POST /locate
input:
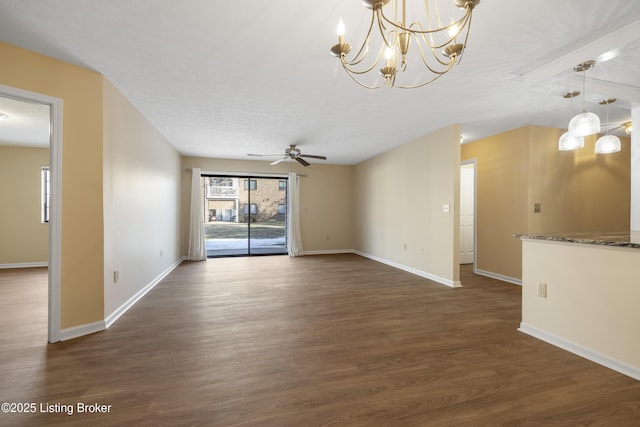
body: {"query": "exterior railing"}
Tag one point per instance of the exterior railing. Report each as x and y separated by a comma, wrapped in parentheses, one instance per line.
(222, 192)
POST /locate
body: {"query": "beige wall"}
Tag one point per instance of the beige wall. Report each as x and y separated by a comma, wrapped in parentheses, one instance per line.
(578, 191)
(142, 175)
(325, 199)
(25, 239)
(501, 200)
(82, 299)
(399, 201)
(592, 299)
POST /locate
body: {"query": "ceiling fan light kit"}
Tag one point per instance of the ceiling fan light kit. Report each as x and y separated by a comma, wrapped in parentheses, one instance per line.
(437, 45)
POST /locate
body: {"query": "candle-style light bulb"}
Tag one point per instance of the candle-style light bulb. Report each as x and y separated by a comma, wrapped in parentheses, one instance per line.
(388, 54)
(340, 30)
(453, 30)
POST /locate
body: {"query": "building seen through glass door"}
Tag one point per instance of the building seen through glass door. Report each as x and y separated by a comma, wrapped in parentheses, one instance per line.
(245, 215)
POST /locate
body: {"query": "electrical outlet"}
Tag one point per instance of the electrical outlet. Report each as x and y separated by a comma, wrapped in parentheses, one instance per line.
(445, 208)
(542, 290)
(116, 276)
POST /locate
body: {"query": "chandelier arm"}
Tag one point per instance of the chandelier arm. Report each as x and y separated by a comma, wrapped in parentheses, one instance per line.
(348, 64)
(423, 34)
(365, 46)
(464, 46)
(437, 76)
(383, 30)
(422, 30)
(434, 54)
(347, 67)
(360, 83)
(357, 60)
(449, 64)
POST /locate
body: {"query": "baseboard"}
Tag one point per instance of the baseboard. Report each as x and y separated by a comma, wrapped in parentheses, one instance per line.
(426, 275)
(25, 265)
(78, 331)
(109, 320)
(498, 276)
(330, 252)
(580, 350)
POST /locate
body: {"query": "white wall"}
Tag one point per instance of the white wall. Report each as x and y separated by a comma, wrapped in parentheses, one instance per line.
(142, 176)
(399, 198)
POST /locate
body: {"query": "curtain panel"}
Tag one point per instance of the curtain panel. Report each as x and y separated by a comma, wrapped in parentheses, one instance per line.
(197, 250)
(294, 239)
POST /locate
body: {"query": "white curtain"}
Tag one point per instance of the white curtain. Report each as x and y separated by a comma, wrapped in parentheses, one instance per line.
(294, 239)
(197, 250)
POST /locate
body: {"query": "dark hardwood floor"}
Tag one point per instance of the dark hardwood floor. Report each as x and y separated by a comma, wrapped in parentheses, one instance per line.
(317, 340)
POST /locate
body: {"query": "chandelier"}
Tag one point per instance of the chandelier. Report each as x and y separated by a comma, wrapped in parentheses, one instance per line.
(436, 44)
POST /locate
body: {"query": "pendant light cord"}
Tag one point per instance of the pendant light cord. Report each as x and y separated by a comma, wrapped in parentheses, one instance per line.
(584, 103)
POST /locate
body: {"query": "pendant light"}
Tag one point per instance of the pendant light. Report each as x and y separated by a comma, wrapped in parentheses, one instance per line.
(585, 123)
(608, 143)
(567, 141)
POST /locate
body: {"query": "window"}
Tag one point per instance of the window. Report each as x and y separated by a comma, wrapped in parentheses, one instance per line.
(45, 193)
(221, 182)
(282, 208)
(250, 184)
(282, 185)
(254, 209)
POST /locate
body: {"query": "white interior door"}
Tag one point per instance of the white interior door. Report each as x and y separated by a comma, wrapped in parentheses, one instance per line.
(467, 211)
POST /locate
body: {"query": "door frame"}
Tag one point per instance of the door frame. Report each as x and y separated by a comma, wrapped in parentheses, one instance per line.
(474, 162)
(55, 207)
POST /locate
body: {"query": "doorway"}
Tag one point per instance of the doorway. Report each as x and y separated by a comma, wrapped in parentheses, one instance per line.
(467, 212)
(245, 215)
(50, 204)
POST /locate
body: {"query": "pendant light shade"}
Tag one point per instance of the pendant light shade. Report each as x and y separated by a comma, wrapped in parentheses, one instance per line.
(608, 144)
(569, 142)
(584, 124)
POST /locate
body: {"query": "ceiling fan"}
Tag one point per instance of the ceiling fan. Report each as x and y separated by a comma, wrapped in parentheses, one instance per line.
(292, 153)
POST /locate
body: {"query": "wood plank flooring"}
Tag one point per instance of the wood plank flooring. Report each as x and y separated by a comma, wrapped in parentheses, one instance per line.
(310, 341)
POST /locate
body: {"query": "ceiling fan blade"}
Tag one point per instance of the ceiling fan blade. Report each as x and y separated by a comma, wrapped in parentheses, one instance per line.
(302, 161)
(278, 161)
(264, 155)
(313, 156)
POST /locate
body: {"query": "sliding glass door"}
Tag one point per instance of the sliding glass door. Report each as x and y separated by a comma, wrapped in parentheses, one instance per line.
(245, 215)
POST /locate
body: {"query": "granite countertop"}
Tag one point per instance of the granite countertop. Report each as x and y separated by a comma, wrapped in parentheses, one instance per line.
(619, 238)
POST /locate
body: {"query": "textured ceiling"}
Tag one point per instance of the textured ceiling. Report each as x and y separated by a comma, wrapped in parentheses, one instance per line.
(223, 79)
